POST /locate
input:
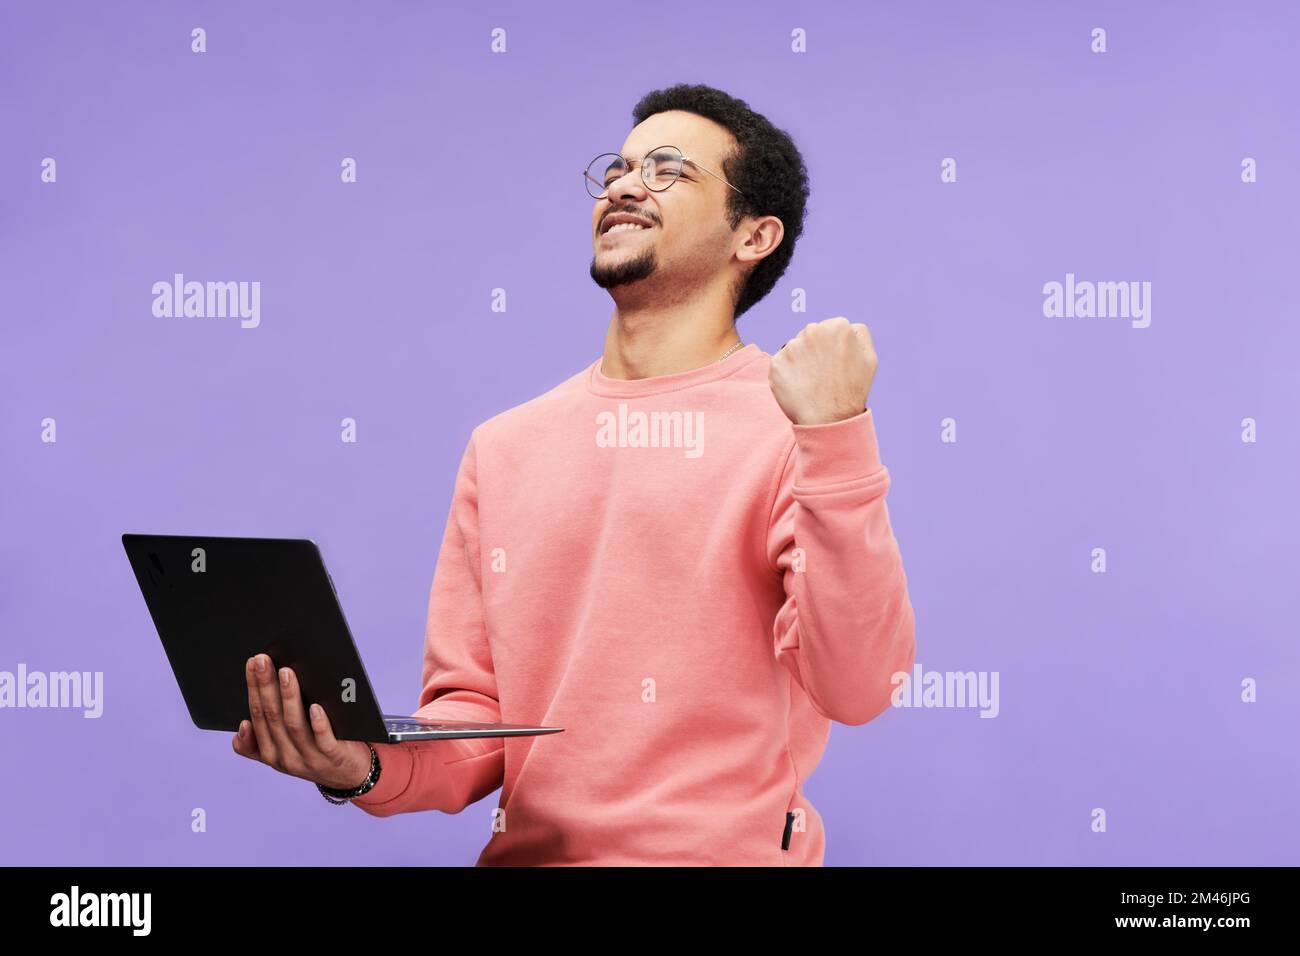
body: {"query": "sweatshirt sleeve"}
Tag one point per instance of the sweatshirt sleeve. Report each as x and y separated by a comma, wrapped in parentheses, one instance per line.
(847, 624)
(458, 682)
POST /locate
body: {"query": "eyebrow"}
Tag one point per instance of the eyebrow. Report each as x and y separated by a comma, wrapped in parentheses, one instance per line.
(685, 162)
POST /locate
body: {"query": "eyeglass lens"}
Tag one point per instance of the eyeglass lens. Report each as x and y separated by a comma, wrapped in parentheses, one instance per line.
(659, 170)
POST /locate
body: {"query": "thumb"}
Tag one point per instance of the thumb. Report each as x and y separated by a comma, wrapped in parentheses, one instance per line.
(324, 733)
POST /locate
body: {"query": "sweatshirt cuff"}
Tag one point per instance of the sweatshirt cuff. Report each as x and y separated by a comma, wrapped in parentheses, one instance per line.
(834, 452)
(396, 764)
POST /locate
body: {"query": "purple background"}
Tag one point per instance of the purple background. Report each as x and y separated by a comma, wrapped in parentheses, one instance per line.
(1119, 690)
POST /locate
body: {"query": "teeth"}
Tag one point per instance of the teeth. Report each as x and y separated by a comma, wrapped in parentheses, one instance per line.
(624, 226)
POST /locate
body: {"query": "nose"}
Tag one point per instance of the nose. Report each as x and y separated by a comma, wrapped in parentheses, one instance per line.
(629, 185)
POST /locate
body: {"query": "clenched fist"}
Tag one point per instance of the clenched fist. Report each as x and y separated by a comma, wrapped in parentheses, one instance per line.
(824, 373)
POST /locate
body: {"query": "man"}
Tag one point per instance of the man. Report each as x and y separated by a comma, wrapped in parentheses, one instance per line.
(681, 555)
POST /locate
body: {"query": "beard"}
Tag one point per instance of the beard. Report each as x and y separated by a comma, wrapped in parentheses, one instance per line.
(624, 271)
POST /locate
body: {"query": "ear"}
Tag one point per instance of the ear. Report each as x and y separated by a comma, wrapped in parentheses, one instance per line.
(762, 234)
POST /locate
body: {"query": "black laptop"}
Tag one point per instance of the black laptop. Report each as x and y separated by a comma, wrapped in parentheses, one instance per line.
(217, 601)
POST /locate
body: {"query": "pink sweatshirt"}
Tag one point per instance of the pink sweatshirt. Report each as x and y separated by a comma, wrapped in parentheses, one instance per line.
(686, 582)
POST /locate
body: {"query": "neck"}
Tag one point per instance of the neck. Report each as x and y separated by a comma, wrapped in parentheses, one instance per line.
(640, 346)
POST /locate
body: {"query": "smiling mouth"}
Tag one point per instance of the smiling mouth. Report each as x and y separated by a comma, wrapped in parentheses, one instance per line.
(624, 229)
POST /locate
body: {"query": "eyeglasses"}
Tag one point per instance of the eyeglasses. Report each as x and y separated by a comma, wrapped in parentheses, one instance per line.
(660, 169)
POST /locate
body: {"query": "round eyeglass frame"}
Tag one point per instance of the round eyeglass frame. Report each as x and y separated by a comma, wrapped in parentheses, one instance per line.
(590, 181)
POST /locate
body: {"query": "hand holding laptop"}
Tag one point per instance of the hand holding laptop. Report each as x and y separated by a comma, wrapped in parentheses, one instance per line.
(282, 735)
(219, 603)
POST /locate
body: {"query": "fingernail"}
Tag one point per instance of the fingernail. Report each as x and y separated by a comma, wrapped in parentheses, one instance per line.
(261, 663)
(284, 677)
(241, 728)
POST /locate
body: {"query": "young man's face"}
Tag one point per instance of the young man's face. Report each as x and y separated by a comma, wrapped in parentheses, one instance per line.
(687, 240)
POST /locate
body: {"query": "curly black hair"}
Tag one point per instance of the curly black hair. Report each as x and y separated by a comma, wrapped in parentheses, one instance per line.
(765, 164)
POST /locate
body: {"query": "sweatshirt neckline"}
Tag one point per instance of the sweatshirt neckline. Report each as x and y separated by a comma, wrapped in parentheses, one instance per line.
(600, 384)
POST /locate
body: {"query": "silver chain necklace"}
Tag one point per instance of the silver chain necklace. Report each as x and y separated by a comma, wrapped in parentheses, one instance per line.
(730, 350)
